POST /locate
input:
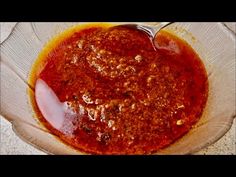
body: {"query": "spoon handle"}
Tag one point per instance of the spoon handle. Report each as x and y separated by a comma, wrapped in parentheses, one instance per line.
(161, 25)
(153, 30)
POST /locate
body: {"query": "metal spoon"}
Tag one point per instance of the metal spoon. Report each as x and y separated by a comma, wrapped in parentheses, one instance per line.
(151, 31)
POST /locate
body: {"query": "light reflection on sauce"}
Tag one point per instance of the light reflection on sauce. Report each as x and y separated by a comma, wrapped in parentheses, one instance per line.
(55, 112)
(49, 104)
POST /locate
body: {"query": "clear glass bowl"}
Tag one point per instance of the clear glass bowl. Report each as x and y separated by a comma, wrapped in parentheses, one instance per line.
(213, 42)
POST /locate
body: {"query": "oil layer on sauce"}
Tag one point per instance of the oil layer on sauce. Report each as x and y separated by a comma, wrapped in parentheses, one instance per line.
(106, 90)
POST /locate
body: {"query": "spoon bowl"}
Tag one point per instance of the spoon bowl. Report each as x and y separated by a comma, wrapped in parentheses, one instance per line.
(151, 31)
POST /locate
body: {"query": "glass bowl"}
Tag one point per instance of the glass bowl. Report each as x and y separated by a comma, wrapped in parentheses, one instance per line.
(213, 42)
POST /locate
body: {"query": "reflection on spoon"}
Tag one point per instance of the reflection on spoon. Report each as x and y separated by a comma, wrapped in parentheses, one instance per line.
(49, 104)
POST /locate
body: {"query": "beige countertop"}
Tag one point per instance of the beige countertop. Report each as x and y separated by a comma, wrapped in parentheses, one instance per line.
(10, 143)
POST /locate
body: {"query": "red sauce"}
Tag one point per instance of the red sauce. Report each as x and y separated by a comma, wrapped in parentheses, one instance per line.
(106, 90)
